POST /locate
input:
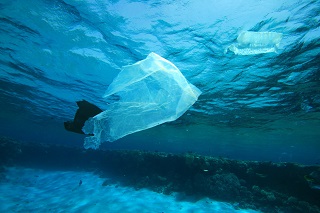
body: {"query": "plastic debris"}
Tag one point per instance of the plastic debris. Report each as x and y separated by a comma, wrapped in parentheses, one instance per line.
(148, 93)
(252, 43)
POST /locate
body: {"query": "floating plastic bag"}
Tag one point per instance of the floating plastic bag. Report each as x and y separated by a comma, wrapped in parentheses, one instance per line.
(252, 43)
(148, 93)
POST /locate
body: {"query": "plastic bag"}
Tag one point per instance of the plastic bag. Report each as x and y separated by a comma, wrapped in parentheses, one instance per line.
(252, 43)
(148, 93)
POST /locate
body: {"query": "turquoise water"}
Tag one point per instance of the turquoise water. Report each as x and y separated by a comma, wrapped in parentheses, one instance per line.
(34, 190)
(257, 107)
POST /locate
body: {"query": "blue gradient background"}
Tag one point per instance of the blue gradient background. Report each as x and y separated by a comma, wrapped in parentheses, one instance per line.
(257, 107)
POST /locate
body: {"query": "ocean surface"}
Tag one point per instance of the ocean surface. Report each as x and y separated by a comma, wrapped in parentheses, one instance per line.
(259, 106)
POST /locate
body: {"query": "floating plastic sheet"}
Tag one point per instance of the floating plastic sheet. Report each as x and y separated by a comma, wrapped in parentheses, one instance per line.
(148, 93)
(252, 43)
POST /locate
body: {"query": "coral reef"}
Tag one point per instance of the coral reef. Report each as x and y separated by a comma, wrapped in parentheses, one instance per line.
(266, 186)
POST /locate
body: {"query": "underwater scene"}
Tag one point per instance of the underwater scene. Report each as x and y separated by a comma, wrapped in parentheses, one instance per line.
(160, 106)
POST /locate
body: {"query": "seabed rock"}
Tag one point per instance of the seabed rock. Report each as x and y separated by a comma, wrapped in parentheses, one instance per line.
(265, 186)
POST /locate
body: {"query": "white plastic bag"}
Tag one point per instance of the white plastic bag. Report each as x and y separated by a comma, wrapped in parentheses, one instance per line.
(150, 92)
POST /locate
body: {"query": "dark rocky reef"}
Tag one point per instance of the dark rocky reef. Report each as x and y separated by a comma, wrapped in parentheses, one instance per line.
(266, 186)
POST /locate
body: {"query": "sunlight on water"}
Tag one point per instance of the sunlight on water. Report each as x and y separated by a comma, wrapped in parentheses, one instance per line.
(54, 53)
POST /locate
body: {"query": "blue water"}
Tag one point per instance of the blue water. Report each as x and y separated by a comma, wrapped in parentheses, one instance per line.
(257, 107)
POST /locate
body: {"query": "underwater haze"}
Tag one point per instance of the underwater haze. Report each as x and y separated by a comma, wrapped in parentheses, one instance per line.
(258, 106)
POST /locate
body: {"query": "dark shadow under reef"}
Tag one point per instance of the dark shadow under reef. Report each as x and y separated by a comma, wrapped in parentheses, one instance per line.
(265, 186)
